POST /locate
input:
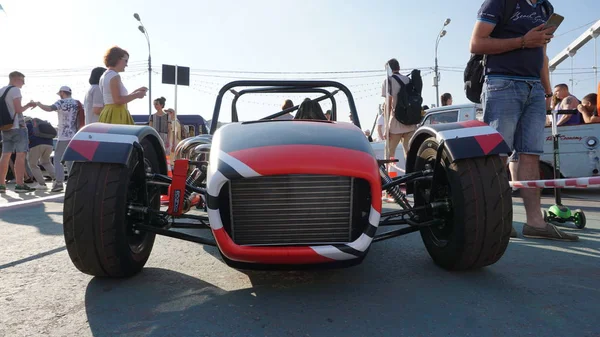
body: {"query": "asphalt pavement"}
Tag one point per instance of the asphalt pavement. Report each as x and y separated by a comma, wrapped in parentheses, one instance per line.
(539, 288)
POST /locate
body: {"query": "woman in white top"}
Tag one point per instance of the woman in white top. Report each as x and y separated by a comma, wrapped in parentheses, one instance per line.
(94, 102)
(113, 91)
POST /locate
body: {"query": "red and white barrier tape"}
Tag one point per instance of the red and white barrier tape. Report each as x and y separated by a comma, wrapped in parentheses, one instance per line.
(569, 183)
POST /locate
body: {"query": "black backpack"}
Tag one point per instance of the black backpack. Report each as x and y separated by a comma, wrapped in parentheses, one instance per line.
(6, 121)
(408, 100)
(43, 129)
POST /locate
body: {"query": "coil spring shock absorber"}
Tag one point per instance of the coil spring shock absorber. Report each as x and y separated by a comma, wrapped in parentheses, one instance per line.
(395, 192)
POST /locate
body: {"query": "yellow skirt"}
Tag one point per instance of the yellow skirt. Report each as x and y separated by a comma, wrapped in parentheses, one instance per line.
(115, 114)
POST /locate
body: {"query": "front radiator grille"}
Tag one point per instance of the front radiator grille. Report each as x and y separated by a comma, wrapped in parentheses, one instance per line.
(291, 209)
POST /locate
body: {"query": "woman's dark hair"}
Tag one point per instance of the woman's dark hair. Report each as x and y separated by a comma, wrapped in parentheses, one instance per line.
(394, 64)
(161, 101)
(287, 104)
(445, 98)
(555, 101)
(96, 74)
(592, 98)
(113, 55)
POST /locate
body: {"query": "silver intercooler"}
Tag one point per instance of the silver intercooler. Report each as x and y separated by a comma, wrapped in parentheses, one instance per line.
(291, 210)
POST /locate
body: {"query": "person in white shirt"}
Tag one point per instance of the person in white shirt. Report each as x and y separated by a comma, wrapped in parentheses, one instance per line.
(93, 102)
(16, 138)
(66, 108)
(381, 126)
(114, 93)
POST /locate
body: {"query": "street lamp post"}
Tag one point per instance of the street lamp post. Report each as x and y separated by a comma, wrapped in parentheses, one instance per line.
(595, 36)
(436, 77)
(145, 32)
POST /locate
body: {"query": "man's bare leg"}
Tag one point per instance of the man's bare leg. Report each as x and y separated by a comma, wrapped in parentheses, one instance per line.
(393, 142)
(528, 170)
(505, 160)
(535, 226)
(4, 162)
(20, 168)
(406, 142)
(513, 168)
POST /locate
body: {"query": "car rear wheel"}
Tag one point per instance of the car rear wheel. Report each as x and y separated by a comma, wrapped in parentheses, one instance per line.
(98, 231)
(477, 225)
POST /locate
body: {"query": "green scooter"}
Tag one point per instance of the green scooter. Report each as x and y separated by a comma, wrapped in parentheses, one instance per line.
(560, 214)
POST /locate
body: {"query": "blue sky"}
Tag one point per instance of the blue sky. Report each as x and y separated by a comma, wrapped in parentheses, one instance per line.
(58, 42)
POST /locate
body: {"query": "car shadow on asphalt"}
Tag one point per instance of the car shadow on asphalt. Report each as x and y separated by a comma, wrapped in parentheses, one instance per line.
(537, 288)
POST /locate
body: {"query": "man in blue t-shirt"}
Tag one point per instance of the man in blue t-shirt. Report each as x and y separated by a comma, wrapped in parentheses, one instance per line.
(517, 91)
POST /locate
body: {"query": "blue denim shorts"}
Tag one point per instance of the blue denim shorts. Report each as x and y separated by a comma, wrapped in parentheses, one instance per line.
(15, 140)
(517, 110)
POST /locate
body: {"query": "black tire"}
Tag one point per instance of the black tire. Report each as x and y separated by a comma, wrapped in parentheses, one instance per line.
(479, 221)
(98, 233)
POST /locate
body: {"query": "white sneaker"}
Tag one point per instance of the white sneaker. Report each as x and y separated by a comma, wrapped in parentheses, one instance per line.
(37, 186)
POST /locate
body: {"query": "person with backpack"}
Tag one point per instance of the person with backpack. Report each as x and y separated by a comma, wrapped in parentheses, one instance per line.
(516, 91)
(404, 106)
(40, 148)
(68, 110)
(14, 132)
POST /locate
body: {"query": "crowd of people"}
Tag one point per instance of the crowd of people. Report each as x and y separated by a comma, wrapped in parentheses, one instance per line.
(25, 149)
(585, 110)
(515, 97)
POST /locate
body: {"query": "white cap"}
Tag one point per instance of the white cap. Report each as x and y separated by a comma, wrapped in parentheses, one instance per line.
(65, 89)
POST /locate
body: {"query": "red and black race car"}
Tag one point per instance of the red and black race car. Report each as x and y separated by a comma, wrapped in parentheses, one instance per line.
(284, 193)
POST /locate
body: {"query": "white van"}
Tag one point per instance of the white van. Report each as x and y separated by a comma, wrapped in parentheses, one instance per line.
(578, 145)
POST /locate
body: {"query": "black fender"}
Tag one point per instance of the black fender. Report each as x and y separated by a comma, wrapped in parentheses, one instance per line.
(462, 140)
(112, 143)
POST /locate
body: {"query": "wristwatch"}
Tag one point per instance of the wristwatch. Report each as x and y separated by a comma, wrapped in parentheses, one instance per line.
(548, 95)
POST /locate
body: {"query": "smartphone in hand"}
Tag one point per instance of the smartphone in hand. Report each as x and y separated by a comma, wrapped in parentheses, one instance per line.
(554, 21)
